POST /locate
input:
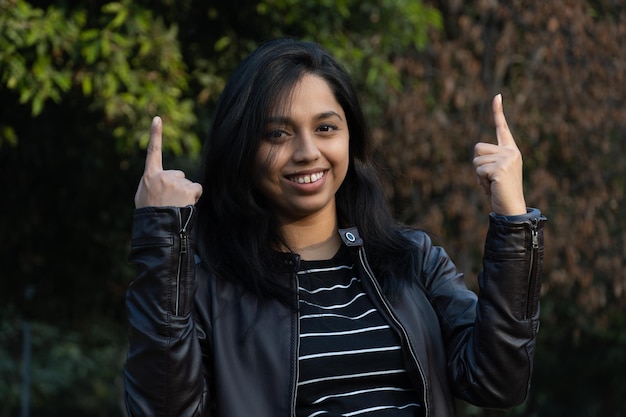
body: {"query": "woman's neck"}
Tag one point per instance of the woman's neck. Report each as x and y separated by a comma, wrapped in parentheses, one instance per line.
(314, 237)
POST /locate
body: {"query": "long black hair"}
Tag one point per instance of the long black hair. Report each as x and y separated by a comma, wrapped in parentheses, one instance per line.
(236, 230)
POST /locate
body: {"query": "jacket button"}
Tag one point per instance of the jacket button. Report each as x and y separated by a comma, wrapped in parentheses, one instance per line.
(350, 237)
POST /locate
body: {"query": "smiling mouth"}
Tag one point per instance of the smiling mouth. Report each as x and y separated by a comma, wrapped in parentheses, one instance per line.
(307, 179)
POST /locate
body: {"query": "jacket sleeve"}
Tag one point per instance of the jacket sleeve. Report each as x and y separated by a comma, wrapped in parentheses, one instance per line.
(163, 374)
(490, 342)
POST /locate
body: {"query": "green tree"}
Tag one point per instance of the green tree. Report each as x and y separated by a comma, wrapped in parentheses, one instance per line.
(122, 60)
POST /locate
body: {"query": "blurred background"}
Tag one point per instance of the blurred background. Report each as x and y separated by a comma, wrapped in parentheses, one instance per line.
(80, 82)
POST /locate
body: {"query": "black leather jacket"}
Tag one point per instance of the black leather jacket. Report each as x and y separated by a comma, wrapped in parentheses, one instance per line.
(200, 346)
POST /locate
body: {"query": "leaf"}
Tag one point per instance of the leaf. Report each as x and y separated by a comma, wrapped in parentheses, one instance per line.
(112, 8)
(119, 19)
(87, 85)
(91, 52)
(222, 43)
(37, 105)
(8, 136)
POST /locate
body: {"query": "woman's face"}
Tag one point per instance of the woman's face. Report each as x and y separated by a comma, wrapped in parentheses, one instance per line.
(303, 156)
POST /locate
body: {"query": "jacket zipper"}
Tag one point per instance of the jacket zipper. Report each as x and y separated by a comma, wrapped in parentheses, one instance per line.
(182, 253)
(534, 233)
(366, 267)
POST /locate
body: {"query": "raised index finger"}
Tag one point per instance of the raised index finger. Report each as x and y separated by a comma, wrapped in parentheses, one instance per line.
(502, 128)
(154, 156)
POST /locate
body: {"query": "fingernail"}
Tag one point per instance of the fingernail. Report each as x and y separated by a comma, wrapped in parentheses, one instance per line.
(155, 121)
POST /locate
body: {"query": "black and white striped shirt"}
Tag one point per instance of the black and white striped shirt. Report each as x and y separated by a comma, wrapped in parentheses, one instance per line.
(350, 360)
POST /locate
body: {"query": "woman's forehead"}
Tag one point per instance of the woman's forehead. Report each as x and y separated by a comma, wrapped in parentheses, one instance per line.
(310, 93)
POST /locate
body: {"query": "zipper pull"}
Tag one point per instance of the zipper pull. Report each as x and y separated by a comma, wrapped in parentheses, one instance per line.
(534, 233)
(183, 232)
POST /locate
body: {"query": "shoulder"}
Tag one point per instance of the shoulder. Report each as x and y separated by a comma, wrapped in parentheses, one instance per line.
(433, 260)
(418, 239)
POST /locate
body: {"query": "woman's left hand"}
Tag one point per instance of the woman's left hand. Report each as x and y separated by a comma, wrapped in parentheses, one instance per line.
(499, 167)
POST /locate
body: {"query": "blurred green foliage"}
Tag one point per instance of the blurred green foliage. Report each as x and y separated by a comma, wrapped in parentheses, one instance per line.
(123, 58)
(69, 371)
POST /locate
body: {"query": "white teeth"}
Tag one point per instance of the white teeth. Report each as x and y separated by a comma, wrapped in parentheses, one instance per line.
(307, 179)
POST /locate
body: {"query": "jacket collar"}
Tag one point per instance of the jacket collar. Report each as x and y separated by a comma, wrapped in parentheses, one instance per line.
(290, 262)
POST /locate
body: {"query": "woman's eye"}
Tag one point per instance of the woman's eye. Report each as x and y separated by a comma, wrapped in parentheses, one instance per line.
(275, 134)
(327, 128)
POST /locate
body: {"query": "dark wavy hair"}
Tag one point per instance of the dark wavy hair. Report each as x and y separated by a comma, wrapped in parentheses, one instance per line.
(236, 230)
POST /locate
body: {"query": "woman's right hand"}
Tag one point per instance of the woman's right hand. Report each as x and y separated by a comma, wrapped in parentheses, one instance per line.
(158, 187)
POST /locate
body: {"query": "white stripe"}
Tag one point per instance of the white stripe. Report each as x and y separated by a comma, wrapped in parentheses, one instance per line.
(363, 391)
(382, 407)
(322, 315)
(334, 287)
(317, 413)
(334, 268)
(349, 352)
(336, 306)
(355, 331)
(365, 374)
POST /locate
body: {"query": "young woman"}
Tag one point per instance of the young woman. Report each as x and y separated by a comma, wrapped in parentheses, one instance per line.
(282, 286)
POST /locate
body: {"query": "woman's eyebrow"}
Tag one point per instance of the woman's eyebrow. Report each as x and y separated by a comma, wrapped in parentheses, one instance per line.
(328, 114)
(289, 120)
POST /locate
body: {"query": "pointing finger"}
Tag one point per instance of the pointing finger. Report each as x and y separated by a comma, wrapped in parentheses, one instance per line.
(502, 128)
(154, 156)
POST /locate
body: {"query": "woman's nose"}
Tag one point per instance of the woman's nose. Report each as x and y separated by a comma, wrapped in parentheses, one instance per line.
(305, 148)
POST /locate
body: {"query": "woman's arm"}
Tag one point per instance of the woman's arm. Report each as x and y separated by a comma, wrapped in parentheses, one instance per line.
(490, 349)
(490, 343)
(164, 373)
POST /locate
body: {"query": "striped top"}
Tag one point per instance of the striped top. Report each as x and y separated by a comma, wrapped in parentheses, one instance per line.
(350, 360)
